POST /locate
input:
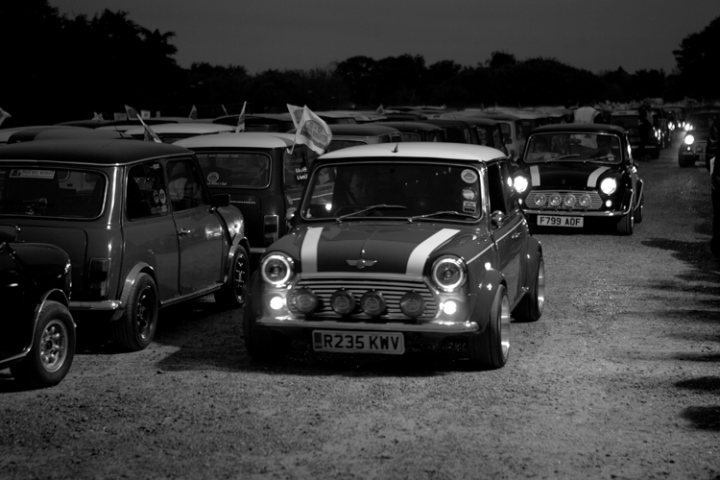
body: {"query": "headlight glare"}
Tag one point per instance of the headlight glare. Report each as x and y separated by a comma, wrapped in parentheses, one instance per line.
(608, 186)
(689, 139)
(520, 183)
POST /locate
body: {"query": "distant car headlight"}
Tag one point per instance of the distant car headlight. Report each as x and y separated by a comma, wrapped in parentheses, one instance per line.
(448, 273)
(520, 183)
(689, 139)
(276, 269)
(608, 186)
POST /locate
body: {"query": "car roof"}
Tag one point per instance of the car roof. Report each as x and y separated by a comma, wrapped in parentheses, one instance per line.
(59, 132)
(182, 127)
(579, 127)
(104, 152)
(410, 125)
(363, 129)
(239, 140)
(430, 150)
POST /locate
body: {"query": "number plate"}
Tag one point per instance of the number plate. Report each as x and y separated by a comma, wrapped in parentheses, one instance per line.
(358, 342)
(559, 221)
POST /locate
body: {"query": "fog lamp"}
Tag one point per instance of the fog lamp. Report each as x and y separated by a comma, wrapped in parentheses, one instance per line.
(569, 201)
(412, 304)
(585, 200)
(373, 304)
(539, 200)
(555, 200)
(342, 302)
(304, 300)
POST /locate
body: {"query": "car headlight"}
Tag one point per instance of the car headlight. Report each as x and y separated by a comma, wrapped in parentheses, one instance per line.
(520, 184)
(448, 273)
(689, 139)
(276, 269)
(608, 186)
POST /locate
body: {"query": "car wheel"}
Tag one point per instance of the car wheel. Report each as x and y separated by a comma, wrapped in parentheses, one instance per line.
(262, 345)
(53, 348)
(625, 225)
(531, 305)
(491, 349)
(232, 295)
(136, 328)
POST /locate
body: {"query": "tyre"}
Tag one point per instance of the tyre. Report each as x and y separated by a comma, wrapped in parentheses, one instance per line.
(52, 351)
(531, 305)
(625, 225)
(232, 295)
(136, 328)
(491, 349)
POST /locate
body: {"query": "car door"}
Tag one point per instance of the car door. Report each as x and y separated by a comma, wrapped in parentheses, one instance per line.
(508, 228)
(198, 228)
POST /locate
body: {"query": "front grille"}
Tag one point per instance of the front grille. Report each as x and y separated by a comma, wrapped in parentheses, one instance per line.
(391, 290)
(595, 200)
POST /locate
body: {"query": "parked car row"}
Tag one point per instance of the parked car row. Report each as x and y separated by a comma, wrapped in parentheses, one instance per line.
(389, 247)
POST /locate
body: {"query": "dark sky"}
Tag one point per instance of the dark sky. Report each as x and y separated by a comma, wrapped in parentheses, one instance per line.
(596, 35)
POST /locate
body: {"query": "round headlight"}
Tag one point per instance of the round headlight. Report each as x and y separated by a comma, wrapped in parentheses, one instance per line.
(539, 200)
(608, 186)
(373, 304)
(304, 300)
(276, 269)
(585, 200)
(689, 139)
(569, 201)
(520, 183)
(448, 273)
(555, 200)
(342, 302)
(412, 304)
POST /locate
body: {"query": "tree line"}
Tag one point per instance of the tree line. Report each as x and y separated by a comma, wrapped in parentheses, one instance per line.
(57, 68)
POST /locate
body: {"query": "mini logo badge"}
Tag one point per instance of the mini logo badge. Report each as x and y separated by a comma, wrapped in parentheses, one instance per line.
(361, 263)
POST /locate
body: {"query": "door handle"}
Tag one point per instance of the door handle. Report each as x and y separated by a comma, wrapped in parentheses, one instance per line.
(182, 232)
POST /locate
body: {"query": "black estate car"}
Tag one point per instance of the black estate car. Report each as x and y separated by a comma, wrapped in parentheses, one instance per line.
(577, 173)
(37, 331)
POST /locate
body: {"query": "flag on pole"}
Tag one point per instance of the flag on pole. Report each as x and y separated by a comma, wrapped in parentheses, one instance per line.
(149, 134)
(240, 127)
(295, 114)
(225, 112)
(193, 113)
(311, 130)
(4, 116)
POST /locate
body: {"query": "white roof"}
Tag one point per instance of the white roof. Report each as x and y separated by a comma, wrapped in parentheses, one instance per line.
(239, 140)
(191, 128)
(444, 150)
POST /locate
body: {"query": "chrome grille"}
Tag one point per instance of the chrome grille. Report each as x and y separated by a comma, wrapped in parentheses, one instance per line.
(595, 200)
(391, 290)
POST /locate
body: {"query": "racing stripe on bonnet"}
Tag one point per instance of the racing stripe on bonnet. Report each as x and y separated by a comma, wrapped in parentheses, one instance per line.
(534, 176)
(593, 178)
(309, 249)
(419, 255)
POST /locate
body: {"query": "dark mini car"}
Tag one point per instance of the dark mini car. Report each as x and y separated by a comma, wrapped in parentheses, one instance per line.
(263, 172)
(37, 331)
(575, 173)
(644, 137)
(138, 223)
(398, 248)
(694, 145)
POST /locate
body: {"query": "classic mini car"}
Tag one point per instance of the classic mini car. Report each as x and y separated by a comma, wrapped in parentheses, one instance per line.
(416, 131)
(350, 135)
(694, 144)
(575, 173)
(37, 331)
(263, 172)
(138, 223)
(644, 141)
(399, 248)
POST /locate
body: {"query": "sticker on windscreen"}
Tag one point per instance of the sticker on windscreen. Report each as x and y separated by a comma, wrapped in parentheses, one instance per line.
(469, 176)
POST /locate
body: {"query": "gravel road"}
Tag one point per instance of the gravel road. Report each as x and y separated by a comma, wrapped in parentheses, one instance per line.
(620, 379)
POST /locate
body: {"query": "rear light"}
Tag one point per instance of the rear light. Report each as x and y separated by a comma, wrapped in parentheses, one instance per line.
(271, 228)
(98, 277)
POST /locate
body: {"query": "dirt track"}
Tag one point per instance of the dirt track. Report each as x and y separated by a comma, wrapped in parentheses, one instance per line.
(620, 379)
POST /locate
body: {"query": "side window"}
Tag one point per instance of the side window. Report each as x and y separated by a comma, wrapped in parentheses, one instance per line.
(145, 191)
(184, 185)
(496, 188)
